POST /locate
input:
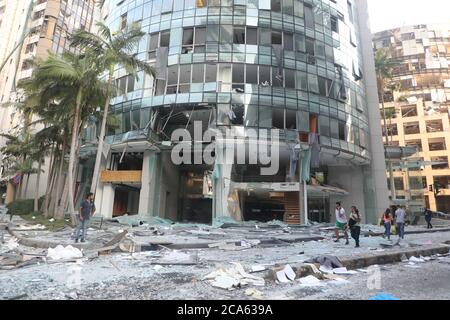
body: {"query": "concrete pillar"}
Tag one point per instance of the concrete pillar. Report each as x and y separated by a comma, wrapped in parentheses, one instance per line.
(107, 201)
(100, 188)
(144, 194)
(375, 188)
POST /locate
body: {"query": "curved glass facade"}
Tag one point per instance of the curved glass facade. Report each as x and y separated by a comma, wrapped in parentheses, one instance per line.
(286, 64)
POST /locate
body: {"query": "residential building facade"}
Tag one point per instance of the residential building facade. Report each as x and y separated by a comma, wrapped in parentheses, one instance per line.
(303, 69)
(32, 28)
(417, 110)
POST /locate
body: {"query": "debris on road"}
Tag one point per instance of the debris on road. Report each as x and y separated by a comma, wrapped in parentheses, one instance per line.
(232, 277)
(63, 253)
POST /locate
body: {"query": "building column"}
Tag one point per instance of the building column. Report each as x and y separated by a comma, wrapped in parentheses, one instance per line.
(107, 201)
(99, 191)
(375, 188)
(148, 183)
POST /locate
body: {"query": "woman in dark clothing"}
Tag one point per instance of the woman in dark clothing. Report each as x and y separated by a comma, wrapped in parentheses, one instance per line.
(353, 223)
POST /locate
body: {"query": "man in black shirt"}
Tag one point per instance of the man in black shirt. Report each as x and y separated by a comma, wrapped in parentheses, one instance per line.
(87, 210)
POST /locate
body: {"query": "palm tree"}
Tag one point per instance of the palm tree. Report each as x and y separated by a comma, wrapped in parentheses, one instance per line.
(384, 68)
(384, 71)
(72, 80)
(109, 50)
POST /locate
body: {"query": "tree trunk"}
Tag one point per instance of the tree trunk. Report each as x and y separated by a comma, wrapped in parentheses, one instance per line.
(73, 146)
(36, 189)
(60, 175)
(44, 207)
(26, 186)
(101, 137)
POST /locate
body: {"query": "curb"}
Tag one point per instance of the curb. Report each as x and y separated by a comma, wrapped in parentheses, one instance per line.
(392, 257)
(44, 244)
(362, 261)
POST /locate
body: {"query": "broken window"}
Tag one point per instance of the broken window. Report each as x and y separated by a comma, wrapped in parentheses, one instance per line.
(238, 77)
(291, 119)
(226, 34)
(265, 116)
(288, 41)
(211, 73)
(303, 121)
(197, 73)
(185, 78)
(252, 36)
(165, 39)
(324, 86)
(288, 7)
(188, 40)
(437, 144)
(309, 17)
(342, 131)
(276, 37)
(310, 46)
(411, 128)
(434, 126)
(265, 37)
(224, 114)
(408, 111)
(289, 78)
(275, 5)
(264, 75)
(237, 114)
(277, 118)
(313, 83)
(251, 116)
(441, 163)
(239, 35)
(324, 126)
(300, 42)
(334, 24)
(415, 143)
(302, 80)
(251, 74)
(225, 77)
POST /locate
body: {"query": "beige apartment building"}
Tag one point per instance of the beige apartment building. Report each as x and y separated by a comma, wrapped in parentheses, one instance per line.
(32, 28)
(417, 110)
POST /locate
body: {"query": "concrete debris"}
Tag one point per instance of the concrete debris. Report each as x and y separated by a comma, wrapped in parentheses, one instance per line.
(257, 268)
(327, 261)
(343, 270)
(310, 281)
(287, 274)
(30, 227)
(177, 257)
(232, 277)
(158, 267)
(415, 259)
(254, 293)
(340, 281)
(63, 253)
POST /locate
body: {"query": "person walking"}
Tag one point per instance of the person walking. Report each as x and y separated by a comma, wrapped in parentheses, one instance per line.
(428, 216)
(400, 222)
(353, 223)
(341, 222)
(387, 220)
(87, 210)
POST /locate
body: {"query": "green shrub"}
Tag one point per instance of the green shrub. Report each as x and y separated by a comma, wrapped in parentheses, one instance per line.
(23, 206)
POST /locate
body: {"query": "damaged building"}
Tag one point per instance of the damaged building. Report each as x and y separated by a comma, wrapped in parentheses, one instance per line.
(292, 80)
(417, 112)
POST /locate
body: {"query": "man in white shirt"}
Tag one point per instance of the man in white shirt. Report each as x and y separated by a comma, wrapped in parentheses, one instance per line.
(400, 220)
(341, 222)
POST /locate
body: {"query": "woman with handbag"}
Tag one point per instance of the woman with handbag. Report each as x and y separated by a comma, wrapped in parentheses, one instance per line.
(353, 223)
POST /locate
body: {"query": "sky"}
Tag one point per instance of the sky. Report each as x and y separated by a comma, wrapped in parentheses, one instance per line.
(389, 14)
